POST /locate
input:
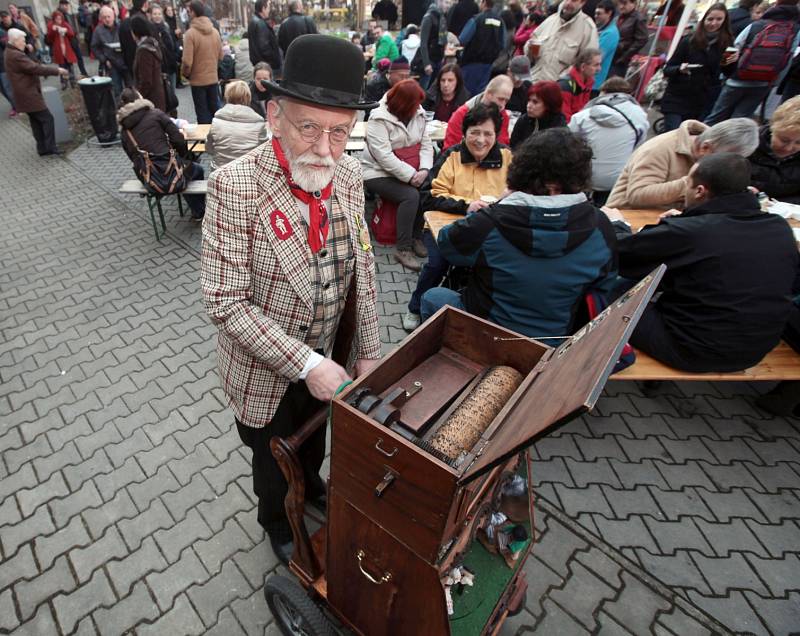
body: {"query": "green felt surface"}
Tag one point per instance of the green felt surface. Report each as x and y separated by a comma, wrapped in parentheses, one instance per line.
(473, 607)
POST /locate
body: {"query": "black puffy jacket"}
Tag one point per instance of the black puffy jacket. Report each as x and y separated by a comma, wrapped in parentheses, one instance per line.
(689, 94)
(779, 178)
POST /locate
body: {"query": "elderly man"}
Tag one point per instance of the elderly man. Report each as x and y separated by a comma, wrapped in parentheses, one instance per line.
(23, 74)
(655, 175)
(106, 48)
(731, 271)
(284, 240)
(560, 39)
(498, 92)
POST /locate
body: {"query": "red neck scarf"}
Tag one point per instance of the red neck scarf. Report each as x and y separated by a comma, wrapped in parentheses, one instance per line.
(317, 213)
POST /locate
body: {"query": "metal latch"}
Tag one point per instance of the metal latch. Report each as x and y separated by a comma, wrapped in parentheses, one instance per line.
(387, 481)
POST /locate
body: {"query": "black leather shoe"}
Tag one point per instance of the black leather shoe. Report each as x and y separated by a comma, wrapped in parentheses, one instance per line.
(283, 551)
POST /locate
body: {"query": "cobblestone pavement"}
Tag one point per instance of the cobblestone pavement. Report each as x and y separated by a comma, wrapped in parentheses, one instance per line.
(126, 503)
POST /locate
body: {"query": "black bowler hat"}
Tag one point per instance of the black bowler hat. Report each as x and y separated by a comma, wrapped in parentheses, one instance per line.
(323, 70)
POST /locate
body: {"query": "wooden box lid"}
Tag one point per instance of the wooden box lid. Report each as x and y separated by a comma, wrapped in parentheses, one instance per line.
(566, 382)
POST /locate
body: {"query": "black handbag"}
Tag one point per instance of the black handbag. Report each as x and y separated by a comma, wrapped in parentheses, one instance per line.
(170, 98)
(160, 174)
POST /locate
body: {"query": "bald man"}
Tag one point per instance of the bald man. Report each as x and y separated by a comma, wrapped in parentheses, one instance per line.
(107, 50)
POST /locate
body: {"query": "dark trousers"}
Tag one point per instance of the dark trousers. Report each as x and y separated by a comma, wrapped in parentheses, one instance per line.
(44, 131)
(672, 121)
(409, 219)
(736, 101)
(476, 77)
(196, 202)
(206, 102)
(77, 48)
(269, 484)
(432, 274)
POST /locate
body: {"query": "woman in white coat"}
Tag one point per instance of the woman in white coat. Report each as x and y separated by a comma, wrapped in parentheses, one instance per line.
(236, 128)
(396, 161)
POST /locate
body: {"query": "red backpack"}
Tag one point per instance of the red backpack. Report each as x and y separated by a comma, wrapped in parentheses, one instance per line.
(767, 52)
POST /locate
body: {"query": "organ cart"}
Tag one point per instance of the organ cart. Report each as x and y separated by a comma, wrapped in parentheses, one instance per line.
(430, 509)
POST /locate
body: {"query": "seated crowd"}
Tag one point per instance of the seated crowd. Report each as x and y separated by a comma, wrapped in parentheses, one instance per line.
(533, 241)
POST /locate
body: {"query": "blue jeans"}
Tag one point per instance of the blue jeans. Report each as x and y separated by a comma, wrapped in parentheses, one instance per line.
(476, 77)
(5, 89)
(672, 121)
(736, 101)
(433, 271)
(206, 102)
(434, 299)
(117, 82)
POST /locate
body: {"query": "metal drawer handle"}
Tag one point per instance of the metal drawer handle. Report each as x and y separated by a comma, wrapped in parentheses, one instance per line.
(387, 576)
(392, 453)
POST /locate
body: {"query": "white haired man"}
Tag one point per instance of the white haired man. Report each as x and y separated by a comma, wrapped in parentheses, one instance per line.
(284, 240)
(657, 172)
(23, 74)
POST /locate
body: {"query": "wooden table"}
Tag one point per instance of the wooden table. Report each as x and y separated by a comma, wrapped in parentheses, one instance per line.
(637, 218)
(196, 139)
(437, 220)
(360, 132)
(199, 134)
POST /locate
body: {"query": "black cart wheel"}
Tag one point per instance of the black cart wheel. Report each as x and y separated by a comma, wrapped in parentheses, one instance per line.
(659, 125)
(295, 613)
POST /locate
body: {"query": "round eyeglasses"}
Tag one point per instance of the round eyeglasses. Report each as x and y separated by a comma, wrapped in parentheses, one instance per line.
(310, 132)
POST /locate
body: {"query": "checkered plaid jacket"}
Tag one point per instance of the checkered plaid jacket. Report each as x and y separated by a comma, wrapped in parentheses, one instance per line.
(257, 281)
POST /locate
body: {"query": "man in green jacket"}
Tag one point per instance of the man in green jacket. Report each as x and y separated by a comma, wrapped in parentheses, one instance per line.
(385, 46)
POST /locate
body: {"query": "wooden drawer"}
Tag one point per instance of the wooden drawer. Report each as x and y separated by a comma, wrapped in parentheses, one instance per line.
(384, 588)
(415, 506)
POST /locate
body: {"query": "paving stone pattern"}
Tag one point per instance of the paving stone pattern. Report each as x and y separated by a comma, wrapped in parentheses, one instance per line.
(126, 502)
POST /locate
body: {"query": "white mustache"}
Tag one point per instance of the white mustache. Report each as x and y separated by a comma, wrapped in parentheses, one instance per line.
(314, 160)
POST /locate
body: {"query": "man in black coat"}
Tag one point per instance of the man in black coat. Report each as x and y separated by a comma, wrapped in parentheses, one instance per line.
(295, 25)
(731, 272)
(263, 41)
(460, 13)
(126, 42)
(633, 35)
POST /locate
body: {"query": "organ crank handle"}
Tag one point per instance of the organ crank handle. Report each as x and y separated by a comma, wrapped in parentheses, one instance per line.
(387, 576)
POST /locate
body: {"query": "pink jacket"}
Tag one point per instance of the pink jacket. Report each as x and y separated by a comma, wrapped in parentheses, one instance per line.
(522, 35)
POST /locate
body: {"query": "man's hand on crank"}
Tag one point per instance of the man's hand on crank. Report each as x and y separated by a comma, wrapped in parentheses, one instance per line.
(325, 378)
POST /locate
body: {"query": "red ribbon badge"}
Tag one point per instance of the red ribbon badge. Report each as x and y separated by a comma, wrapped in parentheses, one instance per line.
(280, 225)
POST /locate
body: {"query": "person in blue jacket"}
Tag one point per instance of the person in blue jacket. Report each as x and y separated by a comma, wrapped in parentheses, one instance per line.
(537, 252)
(608, 36)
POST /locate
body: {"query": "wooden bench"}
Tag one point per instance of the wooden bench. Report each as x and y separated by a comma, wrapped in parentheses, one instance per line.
(782, 363)
(134, 186)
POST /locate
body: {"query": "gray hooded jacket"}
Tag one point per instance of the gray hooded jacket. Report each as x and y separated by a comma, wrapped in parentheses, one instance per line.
(613, 125)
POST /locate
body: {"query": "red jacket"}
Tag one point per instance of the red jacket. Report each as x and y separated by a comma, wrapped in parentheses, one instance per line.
(454, 133)
(61, 45)
(575, 94)
(522, 35)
